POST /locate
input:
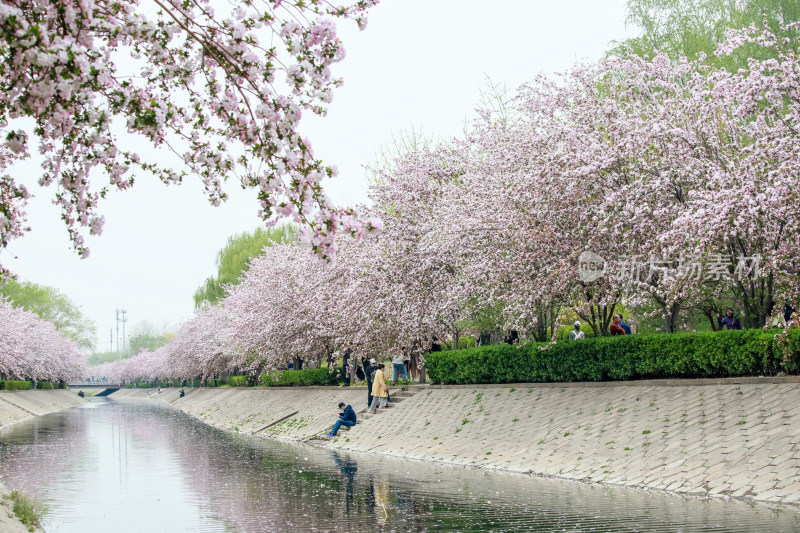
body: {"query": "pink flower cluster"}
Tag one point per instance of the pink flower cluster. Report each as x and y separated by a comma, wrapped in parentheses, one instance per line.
(85, 78)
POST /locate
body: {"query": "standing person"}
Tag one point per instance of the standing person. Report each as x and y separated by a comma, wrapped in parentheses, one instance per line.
(379, 391)
(399, 363)
(576, 334)
(436, 346)
(730, 321)
(413, 365)
(347, 417)
(345, 361)
(624, 325)
(485, 338)
(615, 328)
(369, 371)
(512, 337)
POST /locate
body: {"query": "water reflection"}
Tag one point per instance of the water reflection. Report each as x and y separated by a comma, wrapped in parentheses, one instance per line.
(141, 467)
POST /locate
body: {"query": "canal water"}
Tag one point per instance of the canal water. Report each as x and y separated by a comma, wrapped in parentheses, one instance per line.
(144, 467)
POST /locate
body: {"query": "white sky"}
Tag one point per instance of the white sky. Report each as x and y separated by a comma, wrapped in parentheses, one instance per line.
(419, 64)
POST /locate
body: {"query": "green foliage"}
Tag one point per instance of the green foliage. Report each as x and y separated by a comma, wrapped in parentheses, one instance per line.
(238, 381)
(11, 384)
(106, 357)
(147, 343)
(466, 342)
(562, 333)
(688, 28)
(787, 351)
(47, 385)
(234, 259)
(28, 512)
(678, 355)
(292, 378)
(52, 305)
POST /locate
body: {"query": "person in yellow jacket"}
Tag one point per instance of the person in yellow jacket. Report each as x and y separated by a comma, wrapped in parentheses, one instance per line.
(379, 390)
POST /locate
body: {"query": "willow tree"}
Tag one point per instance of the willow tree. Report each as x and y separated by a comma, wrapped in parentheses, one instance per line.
(234, 259)
(53, 306)
(691, 28)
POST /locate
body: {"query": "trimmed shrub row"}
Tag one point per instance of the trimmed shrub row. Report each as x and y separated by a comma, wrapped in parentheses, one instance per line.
(14, 384)
(299, 378)
(49, 385)
(677, 355)
(238, 381)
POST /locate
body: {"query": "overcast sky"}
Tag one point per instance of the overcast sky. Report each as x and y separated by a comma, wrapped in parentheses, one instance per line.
(420, 64)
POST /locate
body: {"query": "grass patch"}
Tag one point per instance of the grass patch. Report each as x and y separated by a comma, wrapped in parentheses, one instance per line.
(27, 510)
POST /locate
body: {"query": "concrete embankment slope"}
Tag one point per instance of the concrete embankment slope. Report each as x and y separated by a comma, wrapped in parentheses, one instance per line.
(728, 437)
(291, 413)
(16, 406)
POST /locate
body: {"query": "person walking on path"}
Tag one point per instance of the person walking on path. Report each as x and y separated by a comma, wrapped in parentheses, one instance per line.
(369, 371)
(399, 363)
(379, 391)
(347, 417)
(576, 334)
(615, 328)
(729, 321)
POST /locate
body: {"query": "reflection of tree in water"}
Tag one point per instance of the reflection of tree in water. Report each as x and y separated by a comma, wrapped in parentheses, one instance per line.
(37, 448)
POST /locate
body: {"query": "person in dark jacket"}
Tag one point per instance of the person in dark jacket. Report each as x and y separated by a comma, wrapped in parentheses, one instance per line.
(347, 417)
(512, 337)
(624, 325)
(436, 346)
(729, 321)
(369, 370)
(346, 371)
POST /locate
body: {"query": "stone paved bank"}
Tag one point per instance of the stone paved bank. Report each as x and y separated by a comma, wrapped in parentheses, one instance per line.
(16, 406)
(735, 438)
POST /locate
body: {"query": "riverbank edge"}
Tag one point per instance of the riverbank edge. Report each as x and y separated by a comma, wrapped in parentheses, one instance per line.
(19, 406)
(245, 410)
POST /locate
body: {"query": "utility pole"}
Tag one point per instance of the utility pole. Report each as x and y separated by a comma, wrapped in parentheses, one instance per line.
(124, 338)
(111, 340)
(117, 333)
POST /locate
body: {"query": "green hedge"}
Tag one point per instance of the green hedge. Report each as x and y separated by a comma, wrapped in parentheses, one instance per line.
(678, 355)
(12, 384)
(238, 381)
(47, 385)
(290, 378)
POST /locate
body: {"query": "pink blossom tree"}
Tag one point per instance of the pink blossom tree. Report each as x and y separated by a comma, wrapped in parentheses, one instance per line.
(31, 348)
